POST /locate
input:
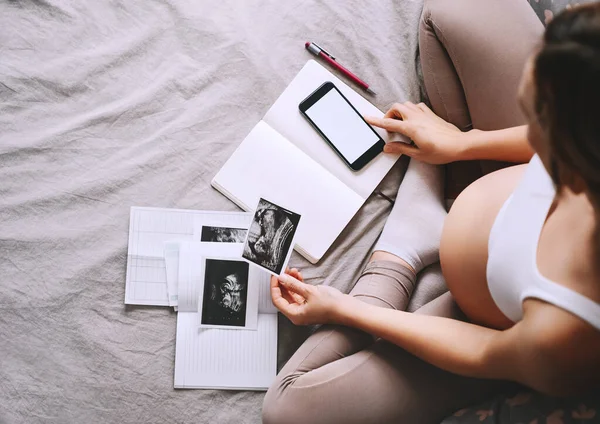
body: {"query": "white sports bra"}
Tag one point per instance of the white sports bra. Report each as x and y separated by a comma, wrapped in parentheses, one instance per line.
(512, 271)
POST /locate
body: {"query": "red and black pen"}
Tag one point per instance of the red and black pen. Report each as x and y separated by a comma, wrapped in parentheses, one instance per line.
(320, 52)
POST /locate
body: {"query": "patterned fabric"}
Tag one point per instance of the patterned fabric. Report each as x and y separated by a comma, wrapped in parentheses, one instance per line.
(546, 9)
(531, 408)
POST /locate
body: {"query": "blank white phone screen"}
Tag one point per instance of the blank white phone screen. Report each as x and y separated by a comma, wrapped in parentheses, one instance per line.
(342, 125)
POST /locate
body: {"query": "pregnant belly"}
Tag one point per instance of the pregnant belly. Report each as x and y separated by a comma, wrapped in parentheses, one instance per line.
(464, 246)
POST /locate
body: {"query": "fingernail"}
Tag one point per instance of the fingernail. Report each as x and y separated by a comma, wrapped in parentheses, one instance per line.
(386, 149)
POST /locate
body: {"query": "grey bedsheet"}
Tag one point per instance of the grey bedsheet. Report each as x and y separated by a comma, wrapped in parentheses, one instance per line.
(109, 104)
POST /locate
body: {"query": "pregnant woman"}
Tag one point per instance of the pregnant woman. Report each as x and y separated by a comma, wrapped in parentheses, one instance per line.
(519, 249)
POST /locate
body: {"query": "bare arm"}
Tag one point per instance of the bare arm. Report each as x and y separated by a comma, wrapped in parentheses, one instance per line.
(449, 344)
(531, 352)
(509, 145)
(437, 141)
(538, 351)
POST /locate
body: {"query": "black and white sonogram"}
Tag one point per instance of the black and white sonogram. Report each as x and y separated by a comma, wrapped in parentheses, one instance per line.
(223, 234)
(270, 236)
(225, 292)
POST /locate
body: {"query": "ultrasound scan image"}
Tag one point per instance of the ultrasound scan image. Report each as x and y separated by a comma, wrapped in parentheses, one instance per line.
(270, 236)
(223, 234)
(225, 292)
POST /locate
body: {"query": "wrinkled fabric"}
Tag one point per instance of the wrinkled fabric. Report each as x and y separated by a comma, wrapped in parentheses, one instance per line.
(105, 105)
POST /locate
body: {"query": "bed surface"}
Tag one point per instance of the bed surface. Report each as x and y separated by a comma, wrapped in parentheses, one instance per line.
(107, 105)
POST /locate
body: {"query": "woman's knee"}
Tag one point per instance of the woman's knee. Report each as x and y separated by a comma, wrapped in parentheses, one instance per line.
(271, 411)
(436, 10)
(279, 409)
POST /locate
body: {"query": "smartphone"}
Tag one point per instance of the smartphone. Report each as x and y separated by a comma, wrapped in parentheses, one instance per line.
(342, 127)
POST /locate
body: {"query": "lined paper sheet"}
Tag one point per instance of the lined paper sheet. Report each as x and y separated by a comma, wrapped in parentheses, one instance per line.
(265, 304)
(145, 281)
(225, 359)
(172, 270)
(222, 358)
(149, 229)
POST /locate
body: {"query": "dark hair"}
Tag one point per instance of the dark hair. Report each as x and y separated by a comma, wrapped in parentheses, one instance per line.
(567, 85)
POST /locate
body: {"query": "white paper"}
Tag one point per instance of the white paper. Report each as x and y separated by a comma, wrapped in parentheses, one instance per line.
(172, 270)
(149, 229)
(267, 165)
(265, 304)
(224, 359)
(146, 281)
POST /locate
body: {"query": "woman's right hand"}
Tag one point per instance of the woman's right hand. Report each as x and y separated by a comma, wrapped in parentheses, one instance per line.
(304, 303)
(436, 141)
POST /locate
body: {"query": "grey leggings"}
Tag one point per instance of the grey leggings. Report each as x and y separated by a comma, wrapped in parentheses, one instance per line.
(472, 53)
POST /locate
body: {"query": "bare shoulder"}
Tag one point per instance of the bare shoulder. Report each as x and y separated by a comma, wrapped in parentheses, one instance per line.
(563, 344)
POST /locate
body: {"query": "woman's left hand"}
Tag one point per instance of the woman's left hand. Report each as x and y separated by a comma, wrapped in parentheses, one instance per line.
(303, 303)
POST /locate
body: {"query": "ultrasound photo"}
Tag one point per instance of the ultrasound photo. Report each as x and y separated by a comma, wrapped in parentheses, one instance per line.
(225, 293)
(270, 236)
(223, 234)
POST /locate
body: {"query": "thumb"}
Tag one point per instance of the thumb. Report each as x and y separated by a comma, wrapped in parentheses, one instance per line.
(402, 148)
(294, 286)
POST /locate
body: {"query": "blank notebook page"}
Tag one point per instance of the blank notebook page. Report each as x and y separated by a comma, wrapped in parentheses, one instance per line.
(232, 359)
(267, 165)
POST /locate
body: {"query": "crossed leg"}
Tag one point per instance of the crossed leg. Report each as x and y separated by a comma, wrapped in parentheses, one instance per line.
(343, 375)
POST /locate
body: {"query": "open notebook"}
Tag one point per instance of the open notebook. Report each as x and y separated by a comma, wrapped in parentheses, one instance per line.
(285, 160)
(222, 358)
